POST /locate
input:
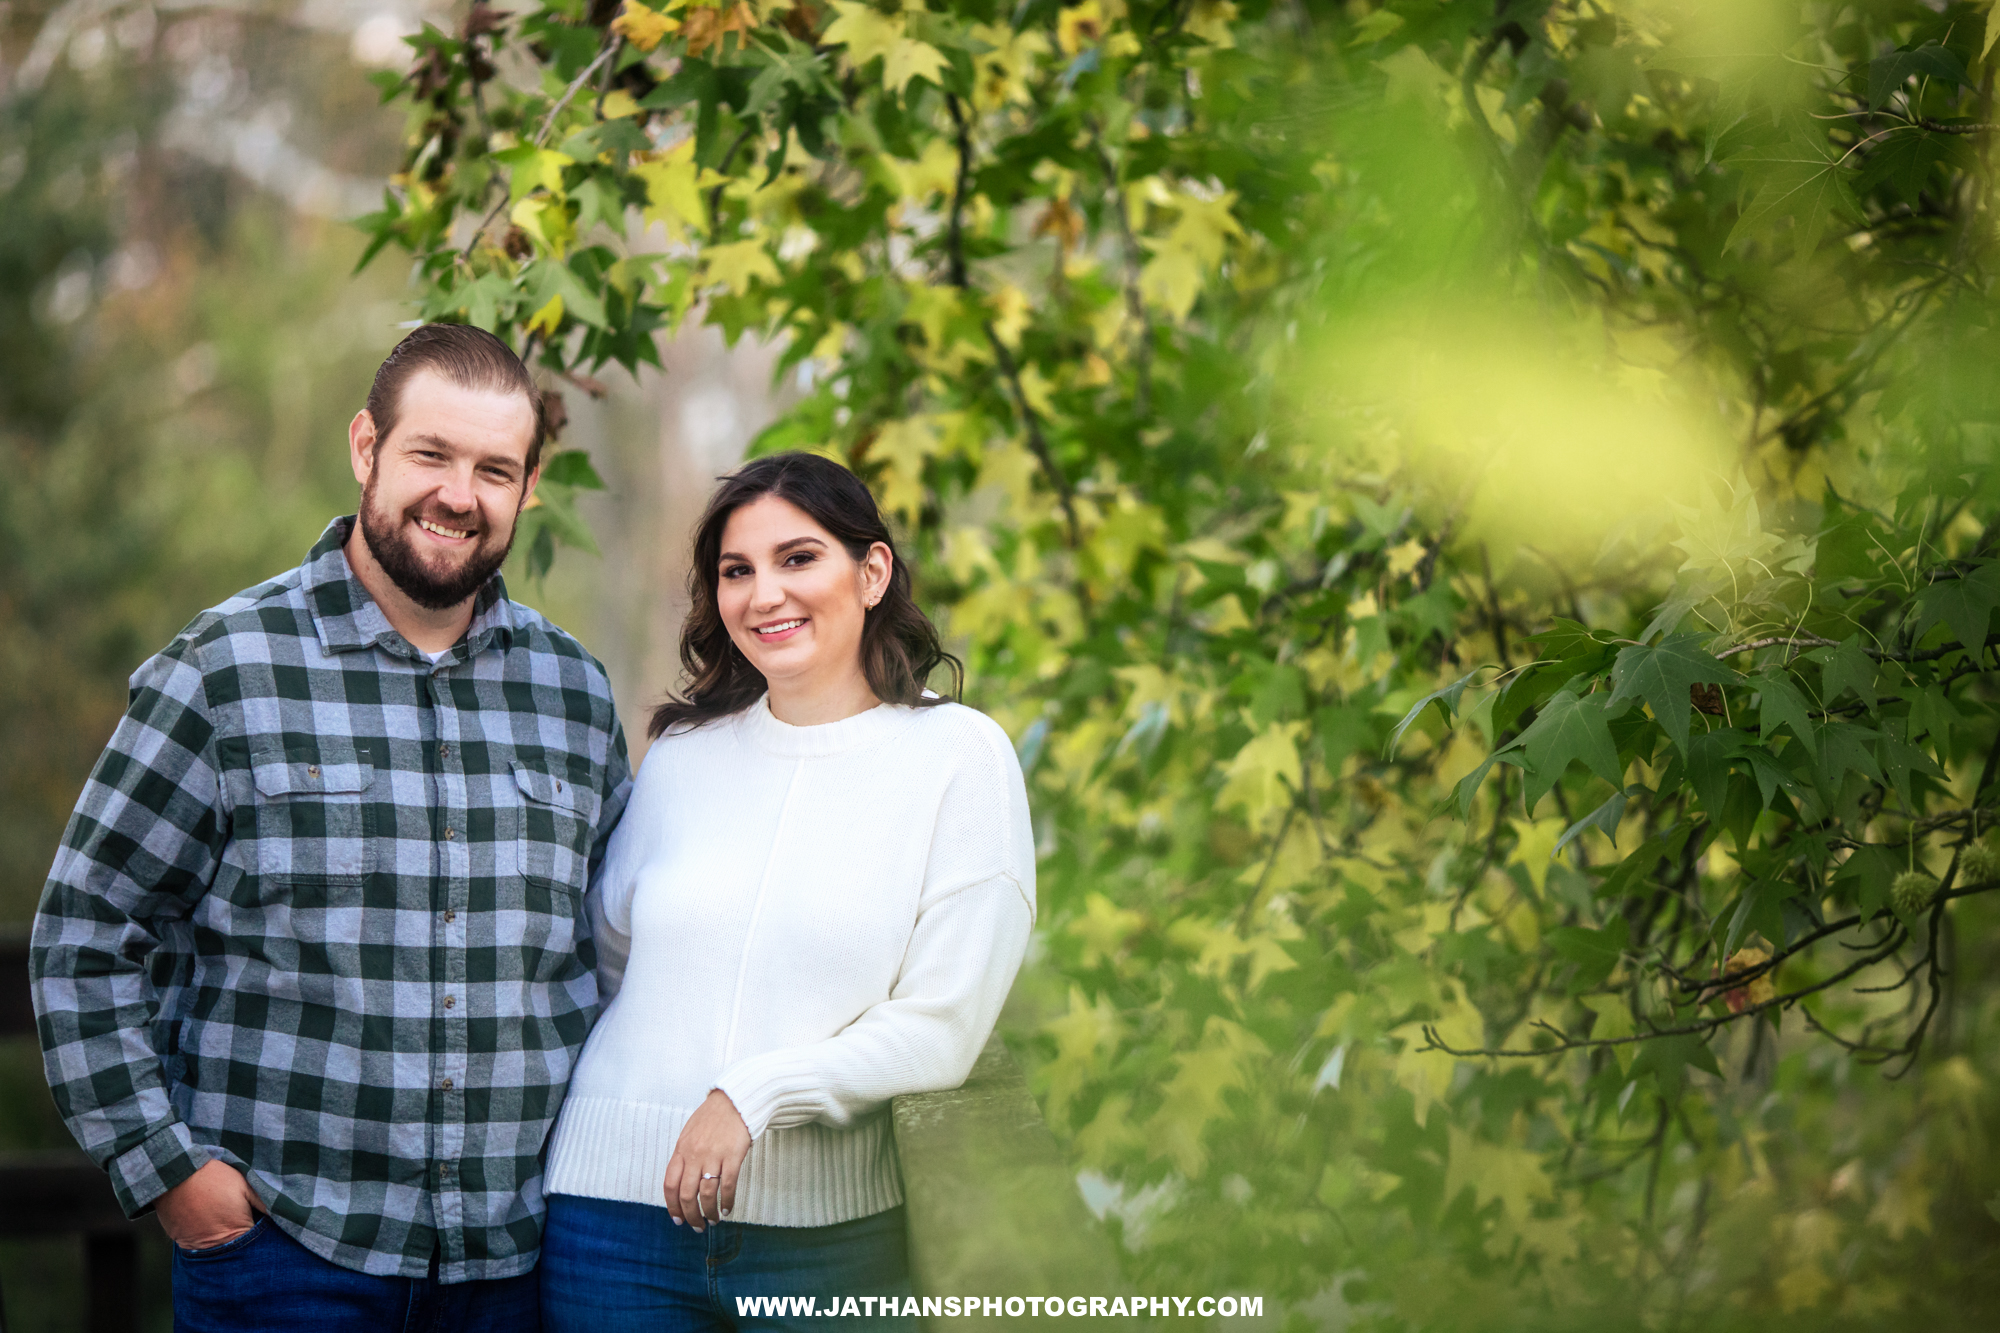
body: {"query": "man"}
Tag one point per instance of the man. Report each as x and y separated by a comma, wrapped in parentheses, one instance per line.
(311, 967)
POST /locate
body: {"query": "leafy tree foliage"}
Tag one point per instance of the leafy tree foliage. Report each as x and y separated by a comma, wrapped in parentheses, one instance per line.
(1479, 518)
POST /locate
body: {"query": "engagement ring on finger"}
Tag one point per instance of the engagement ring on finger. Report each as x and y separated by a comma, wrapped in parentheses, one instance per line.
(706, 1176)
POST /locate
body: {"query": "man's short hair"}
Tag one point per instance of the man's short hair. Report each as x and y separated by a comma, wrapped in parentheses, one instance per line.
(469, 357)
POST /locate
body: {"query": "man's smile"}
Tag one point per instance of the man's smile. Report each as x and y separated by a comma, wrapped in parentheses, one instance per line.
(449, 534)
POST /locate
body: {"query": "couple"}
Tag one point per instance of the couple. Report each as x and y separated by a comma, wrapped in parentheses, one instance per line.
(316, 964)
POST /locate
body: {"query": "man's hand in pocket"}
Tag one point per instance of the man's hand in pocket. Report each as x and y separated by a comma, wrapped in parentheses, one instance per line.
(212, 1207)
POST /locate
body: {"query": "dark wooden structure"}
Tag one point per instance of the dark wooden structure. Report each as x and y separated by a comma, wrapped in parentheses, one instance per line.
(44, 1194)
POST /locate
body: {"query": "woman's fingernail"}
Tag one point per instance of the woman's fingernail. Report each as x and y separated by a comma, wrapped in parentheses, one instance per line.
(677, 1221)
(725, 1212)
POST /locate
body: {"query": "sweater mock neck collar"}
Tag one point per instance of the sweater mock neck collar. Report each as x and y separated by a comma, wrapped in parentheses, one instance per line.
(878, 724)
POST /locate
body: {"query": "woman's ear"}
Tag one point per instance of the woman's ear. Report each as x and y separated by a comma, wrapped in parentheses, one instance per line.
(876, 567)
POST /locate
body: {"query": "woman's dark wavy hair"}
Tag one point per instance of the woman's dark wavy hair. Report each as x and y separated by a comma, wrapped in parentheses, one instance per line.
(899, 645)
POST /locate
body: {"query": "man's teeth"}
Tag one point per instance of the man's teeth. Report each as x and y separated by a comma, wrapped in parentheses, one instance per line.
(429, 526)
(780, 627)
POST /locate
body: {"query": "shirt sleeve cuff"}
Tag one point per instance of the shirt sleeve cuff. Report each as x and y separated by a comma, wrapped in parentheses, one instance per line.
(761, 1086)
(142, 1174)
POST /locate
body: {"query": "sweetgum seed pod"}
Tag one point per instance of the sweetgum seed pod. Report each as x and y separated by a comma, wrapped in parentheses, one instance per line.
(1978, 864)
(1911, 892)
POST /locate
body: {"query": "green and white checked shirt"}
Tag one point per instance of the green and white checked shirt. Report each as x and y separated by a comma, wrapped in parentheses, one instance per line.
(319, 913)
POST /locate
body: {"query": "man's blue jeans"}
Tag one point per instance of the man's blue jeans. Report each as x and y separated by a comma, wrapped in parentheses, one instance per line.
(266, 1280)
(624, 1267)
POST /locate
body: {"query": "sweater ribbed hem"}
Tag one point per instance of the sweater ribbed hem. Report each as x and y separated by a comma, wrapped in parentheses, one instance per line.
(806, 1176)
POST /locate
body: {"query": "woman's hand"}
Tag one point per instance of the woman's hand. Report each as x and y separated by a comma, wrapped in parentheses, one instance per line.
(701, 1175)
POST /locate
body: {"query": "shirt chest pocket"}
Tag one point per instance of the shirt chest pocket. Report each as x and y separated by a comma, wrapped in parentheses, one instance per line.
(312, 812)
(557, 820)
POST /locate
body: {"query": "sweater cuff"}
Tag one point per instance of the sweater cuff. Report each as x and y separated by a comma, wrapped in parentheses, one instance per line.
(762, 1086)
(142, 1174)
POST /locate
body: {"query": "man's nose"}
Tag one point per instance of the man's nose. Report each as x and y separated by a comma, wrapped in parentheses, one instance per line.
(455, 491)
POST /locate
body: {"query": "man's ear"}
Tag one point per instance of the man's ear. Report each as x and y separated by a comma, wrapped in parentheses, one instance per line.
(528, 487)
(361, 445)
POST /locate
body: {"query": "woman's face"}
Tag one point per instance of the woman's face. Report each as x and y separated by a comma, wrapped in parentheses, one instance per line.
(792, 598)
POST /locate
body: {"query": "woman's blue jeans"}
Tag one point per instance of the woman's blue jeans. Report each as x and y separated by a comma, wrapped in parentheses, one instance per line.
(622, 1267)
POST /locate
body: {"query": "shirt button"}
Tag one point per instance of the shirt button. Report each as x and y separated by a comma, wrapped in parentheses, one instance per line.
(446, 1085)
(450, 916)
(450, 834)
(449, 1001)
(312, 770)
(444, 752)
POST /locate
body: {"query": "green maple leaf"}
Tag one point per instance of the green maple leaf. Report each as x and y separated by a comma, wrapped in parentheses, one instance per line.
(1801, 178)
(1779, 703)
(1930, 61)
(1844, 668)
(1446, 699)
(1964, 604)
(1667, 1059)
(1568, 728)
(1663, 675)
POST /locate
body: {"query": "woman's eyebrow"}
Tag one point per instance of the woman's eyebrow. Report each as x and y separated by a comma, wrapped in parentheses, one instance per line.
(779, 549)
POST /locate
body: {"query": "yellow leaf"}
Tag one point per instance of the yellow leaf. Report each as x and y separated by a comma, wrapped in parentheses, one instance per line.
(674, 188)
(1614, 1019)
(549, 318)
(931, 309)
(547, 220)
(1085, 1038)
(935, 172)
(1534, 843)
(1079, 26)
(904, 445)
(1193, 1097)
(1427, 1075)
(1010, 314)
(1905, 1205)
(737, 264)
(1123, 44)
(618, 104)
(1263, 774)
(1495, 1171)
(1104, 928)
(1002, 72)
(1171, 279)
(1210, 21)
(536, 169)
(644, 28)
(1404, 558)
(1205, 225)
(911, 59)
(865, 31)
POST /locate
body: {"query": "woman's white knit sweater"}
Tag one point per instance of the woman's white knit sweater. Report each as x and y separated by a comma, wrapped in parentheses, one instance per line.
(814, 920)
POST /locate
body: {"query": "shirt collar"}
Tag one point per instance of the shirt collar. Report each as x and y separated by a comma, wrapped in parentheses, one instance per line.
(347, 617)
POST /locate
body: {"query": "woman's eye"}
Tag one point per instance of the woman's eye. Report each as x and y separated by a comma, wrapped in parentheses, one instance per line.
(799, 558)
(733, 571)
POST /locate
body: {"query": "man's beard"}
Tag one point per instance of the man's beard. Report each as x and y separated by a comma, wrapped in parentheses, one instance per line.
(406, 569)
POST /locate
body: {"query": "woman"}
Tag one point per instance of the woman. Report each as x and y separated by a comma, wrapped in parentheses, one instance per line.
(816, 901)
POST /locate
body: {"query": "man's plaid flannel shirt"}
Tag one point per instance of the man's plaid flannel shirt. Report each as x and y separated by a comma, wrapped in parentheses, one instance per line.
(319, 913)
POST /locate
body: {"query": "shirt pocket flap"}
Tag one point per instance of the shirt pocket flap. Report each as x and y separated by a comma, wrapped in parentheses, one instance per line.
(324, 768)
(547, 789)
